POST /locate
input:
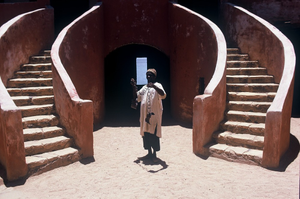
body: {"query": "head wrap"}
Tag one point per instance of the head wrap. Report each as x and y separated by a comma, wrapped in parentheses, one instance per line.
(152, 70)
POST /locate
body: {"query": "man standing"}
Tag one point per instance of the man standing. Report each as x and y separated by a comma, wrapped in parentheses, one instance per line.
(150, 96)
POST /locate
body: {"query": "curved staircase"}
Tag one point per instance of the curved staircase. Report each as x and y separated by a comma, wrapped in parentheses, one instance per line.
(47, 145)
(250, 91)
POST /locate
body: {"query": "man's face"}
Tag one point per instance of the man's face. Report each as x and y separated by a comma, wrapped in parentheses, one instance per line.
(150, 77)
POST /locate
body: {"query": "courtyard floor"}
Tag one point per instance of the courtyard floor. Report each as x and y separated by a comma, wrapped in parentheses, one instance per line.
(116, 172)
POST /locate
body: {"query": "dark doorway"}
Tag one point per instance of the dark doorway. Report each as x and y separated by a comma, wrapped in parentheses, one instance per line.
(120, 67)
(66, 11)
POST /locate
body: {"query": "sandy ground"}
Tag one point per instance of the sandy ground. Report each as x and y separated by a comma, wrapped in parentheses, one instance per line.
(117, 173)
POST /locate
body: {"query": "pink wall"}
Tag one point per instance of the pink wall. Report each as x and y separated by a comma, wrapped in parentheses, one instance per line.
(20, 37)
(265, 43)
(10, 10)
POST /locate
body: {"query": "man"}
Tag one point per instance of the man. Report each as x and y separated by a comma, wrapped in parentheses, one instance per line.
(150, 96)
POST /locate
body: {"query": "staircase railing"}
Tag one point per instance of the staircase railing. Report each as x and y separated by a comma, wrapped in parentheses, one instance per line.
(20, 37)
(263, 42)
(76, 114)
(208, 109)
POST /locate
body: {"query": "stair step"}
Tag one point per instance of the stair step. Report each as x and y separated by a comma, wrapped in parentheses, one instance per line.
(241, 116)
(42, 133)
(39, 121)
(36, 67)
(237, 57)
(249, 106)
(243, 140)
(251, 96)
(47, 161)
(47, 145)
(252, 87)
(243, 127)
(33, 100)
(242, 64)
(29, 82)
(249, 79)
(40, 59)
(246, 71)
(33, 74)
(236, 154)
(31, 110)
(233, 50)
(31, 91)
(45, 53)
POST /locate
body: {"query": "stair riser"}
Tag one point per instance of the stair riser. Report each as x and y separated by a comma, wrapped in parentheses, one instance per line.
(34, 101)
(36, 67)
(33, 74)
(248, 108)
(251, 88)
(43, 135)
(35, 83)
(40, 123)
(40, 59)
(256, 98)
(243, 129)
(233, 57)
(48, 147)
(250, 80)
(246, 118)
(30, 92)
(38, 111)
(240, 64)
(240, 142)
(52, 163)
(233, 51)
(244, 71)
(233, 157)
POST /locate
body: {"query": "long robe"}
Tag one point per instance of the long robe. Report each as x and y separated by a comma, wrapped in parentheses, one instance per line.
(151, 102)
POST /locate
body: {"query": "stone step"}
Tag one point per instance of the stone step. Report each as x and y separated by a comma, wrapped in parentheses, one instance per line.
(252, 87)
(242, 64)
(47, 145)
(249, 106)
(31, 91)
(40, 59)
(31, 110)
(36, 67)
(29, 82)
(31, 134)
(246, 71)
(45, 53)
(242, 140)
(242, 116)
(251, 96)
(236, 154)
(243, 127)
(40, 163)
(237, 57)
(33, 74)
(40, 121)
(233, 50)
(249, 79)
(33, 100)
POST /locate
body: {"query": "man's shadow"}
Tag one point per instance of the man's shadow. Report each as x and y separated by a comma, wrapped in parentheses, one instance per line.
(149, 161)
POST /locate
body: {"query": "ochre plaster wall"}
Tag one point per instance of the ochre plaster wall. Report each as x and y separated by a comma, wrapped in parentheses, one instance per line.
(135, 22)
(273, 10)
(193, 55)
(20, 37)
(10, 10)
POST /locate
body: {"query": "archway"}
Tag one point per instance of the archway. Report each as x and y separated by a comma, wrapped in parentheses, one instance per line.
(120, 67)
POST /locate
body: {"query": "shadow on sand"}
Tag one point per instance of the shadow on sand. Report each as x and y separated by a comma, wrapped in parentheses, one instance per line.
(148, 162)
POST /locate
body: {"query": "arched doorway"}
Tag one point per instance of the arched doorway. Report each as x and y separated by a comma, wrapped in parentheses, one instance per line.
(120, 67)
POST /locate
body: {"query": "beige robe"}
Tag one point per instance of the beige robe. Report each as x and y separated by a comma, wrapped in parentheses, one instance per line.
(151, 101)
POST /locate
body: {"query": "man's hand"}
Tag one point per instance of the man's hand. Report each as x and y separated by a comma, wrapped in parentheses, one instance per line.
(132, 82)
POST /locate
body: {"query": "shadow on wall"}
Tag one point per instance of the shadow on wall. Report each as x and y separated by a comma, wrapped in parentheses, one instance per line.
(120, 67)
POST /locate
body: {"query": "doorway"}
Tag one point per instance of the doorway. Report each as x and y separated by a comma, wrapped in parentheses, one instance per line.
(120, 67)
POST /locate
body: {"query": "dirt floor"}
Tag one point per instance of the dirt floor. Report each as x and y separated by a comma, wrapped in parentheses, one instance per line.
(116, 172)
